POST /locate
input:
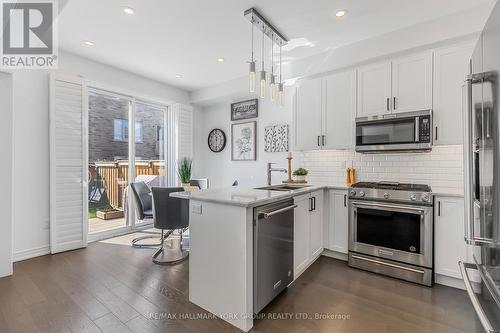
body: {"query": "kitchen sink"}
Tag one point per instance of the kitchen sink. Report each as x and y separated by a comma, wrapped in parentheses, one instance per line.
(282, 187)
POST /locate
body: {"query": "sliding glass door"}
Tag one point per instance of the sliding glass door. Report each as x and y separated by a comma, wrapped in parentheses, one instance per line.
(125, 145)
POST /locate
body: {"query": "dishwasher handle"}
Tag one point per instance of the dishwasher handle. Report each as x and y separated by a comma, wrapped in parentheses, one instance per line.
(267, 215)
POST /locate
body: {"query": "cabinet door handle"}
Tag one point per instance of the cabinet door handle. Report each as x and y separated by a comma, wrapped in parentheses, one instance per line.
(439, 208)
(345, 200)
(310, 204)
(319, 140)
(436, 135)
(388, 104)
(394, 103)
(323, 139)
(314, 203)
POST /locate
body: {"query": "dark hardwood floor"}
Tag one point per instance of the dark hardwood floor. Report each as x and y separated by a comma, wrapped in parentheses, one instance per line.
(111, 287)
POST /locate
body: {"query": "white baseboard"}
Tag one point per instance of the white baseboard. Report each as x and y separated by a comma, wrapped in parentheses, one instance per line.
(335, 254)
(31, 253)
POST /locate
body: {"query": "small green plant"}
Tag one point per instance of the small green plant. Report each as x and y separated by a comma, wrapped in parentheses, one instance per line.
(300, 172)
(184, 170)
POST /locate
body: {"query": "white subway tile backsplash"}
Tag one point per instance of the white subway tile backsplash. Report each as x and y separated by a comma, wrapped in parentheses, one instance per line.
(442, 168)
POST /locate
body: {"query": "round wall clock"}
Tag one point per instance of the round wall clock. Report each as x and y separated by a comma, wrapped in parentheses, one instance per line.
(216, 140)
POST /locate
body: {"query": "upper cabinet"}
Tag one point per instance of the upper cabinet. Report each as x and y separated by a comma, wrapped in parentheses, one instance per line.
(401, 85)
(450, 69)
(308, 110)
(340, 106)
(412, 83)
(374, 89)
(324, 109)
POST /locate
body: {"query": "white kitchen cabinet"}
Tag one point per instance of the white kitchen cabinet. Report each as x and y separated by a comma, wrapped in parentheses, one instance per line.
(374, 89)
(338, 221)
(449, 244)
(308, 230)
(308, 113)
(450, 68)
(340, 108)
(301, 232)
(316, 229)
(412, 83)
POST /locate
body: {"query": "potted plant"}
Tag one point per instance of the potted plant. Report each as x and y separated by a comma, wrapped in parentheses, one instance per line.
(300, 174)
(184, 171)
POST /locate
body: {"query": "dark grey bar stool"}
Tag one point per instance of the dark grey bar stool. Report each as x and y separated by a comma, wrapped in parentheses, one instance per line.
(170, 214)
(144, 208)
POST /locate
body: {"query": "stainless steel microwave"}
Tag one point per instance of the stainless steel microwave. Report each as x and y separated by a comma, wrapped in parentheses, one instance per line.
(396, 132)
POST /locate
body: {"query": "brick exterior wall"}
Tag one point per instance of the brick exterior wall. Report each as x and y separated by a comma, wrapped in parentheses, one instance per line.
(103, 110)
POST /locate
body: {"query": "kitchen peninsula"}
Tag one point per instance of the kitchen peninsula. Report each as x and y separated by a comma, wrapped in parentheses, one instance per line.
(221, 264)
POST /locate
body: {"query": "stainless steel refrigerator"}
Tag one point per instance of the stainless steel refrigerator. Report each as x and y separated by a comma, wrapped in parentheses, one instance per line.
(482, 176)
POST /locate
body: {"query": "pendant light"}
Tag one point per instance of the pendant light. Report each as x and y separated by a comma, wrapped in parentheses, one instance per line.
(263, 72)
(251, 73)
(272, 83)
(281, 86)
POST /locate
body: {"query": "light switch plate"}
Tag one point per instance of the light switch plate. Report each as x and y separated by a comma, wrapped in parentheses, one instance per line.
(196, 209)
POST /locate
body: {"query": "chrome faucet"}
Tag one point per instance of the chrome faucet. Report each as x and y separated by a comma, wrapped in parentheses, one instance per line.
(270, 169)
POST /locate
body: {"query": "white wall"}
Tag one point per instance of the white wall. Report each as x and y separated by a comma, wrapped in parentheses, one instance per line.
(218, 167)
(31, 142)
(6, 174)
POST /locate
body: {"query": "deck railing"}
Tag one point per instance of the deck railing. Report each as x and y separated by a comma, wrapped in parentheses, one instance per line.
(113, 176)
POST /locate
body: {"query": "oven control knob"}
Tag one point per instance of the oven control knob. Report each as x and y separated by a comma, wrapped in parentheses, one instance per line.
(361, 193)
(386, 195)
(425, 197)
(413, 197)
(352, 193)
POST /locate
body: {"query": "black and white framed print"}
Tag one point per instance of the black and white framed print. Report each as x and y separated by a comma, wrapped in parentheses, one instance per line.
(216, 140)
(245, 109)
(276, 138)
(243, 141)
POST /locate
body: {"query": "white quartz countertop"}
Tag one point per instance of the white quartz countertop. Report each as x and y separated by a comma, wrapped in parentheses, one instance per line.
(244, 197)
(251, 197)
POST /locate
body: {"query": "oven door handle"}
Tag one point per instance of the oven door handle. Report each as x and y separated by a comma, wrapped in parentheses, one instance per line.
(384, 205)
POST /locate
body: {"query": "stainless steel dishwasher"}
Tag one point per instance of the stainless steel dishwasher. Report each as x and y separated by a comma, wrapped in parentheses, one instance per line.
(273, 251)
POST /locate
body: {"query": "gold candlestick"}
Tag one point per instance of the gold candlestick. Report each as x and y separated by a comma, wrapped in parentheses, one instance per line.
(290, 158)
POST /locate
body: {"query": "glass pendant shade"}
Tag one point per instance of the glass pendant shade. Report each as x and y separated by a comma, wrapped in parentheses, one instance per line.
(251, 77)
(272, 87)
(263, 84)
(281, 94)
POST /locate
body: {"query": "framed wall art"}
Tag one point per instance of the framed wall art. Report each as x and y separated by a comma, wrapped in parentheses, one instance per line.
(243, 141)
(245, 109)
(276, 139)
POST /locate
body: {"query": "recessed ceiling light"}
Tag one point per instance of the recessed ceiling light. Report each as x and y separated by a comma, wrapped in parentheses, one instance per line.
(129, 10)
(88, 42)
(178, 76)
(341, 13)
(220, 59)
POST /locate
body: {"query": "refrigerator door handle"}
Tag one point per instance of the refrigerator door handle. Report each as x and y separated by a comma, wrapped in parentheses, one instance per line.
(473, 298)
(468, 161)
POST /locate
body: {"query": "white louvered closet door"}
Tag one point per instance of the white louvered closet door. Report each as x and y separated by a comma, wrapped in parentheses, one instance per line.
(68, 158)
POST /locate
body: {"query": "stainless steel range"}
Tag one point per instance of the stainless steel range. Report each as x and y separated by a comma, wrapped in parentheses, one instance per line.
(391, 230)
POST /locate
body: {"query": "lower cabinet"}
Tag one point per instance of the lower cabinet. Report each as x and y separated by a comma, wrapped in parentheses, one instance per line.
(308, 230)
(338, 238)
(449, 244)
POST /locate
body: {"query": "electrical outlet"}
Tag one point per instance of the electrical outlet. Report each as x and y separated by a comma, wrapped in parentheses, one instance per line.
(196, 209)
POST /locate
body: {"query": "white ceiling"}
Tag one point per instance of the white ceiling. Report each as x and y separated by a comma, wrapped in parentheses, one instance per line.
(169, 37)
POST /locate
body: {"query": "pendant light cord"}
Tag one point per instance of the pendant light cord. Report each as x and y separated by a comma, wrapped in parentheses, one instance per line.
(280, 63)
(252, 38)
(272, 54)
(263, 48)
